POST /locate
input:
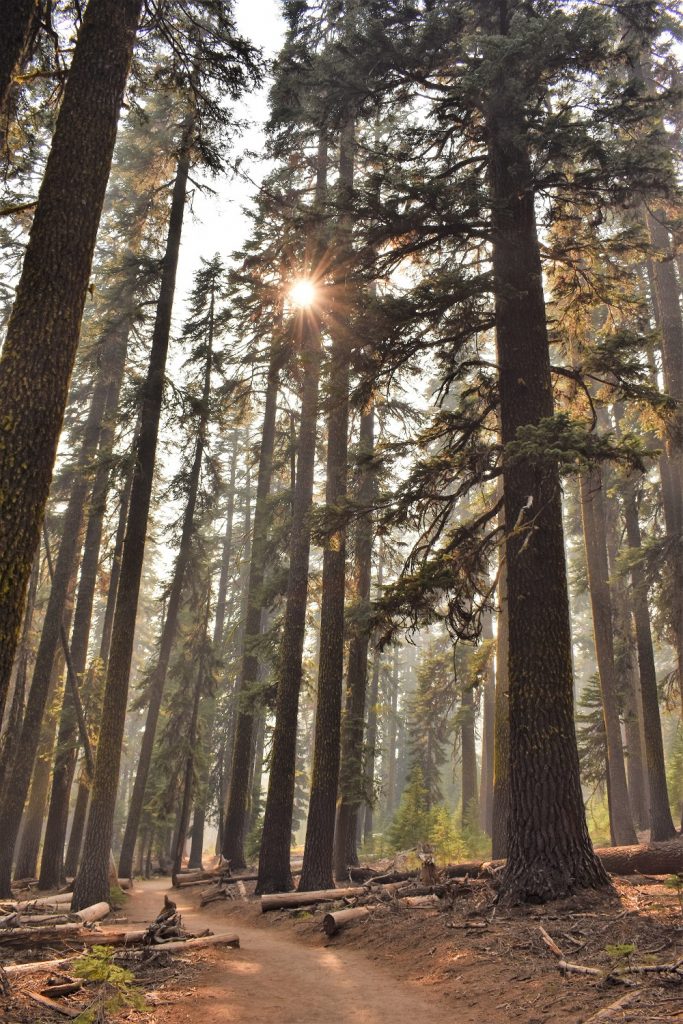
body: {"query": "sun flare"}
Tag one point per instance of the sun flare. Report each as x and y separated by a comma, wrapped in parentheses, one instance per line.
(302, 293)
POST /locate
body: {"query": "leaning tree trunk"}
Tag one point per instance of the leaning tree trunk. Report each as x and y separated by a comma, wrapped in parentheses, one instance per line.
(92, 883)
(43, 331)
(62, 580)
(549, 849)
(19, 20)
(351, 775)
(155, 690)
(236, 815)
(274, 873)
(594, 532)
(317, 872)
(12, 725)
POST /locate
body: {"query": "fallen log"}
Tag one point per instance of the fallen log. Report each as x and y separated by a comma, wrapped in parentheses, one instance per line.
(66, 989)
(15, 970)
(288, 900)
(195, 877)
(420, 902)
(52, 1004)
(45, 902)
(222, 939)
(644, 859)
(94, 913)
(25, 938)
(334, 921)
(610, 1012)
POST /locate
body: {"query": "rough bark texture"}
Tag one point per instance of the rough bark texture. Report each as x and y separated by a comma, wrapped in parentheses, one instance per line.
(351, 780)
(317, 870)
(236, 824)
(549, 850)
(92, 883)
(155, 691)
(274, 868)
(13, 720)
(42, 335)
(371, 748)
(595, 537)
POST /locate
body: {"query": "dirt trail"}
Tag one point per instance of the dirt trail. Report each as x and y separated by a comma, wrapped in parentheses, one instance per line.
(274, 977)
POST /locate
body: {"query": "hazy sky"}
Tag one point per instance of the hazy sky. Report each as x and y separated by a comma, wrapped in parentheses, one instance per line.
(216, 223)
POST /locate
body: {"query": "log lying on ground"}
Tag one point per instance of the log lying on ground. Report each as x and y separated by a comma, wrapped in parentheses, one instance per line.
(53, 1005)
(336, 920)
(654, 859)
(45, 902)
(16, 970)
(222, 939)
(94, 913)
(25, 938)
(290, 900)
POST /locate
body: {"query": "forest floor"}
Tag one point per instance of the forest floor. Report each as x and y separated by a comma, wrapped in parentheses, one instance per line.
(474, 964)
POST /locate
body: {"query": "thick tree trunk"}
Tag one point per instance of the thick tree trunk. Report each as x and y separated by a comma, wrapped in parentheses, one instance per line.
(549, 850)
(274, 868)
(169, 632)
(468, 751)
(501, 731)
(188, 774)
(351, 775)
(19, 20)
(595, 538)
(661, 822)
(92, 884)
(43, 331)
(235, 825)
(73, 849)
(317, 871)
(488, 725)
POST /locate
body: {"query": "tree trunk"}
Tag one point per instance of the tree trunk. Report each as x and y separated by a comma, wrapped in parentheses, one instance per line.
(12, 725)
(188, 775)
(371, 749)
(351, 776)
(92, 882)
(235, 825)
(661, 822)
(469, 810)
(501, 730)
(488, 715)
(218, 646)
(274, 867)
(112, 370)
(317, 871)
(169, 632)
(73, 849)
(549, 850)
(19, 20)
(43, 331)
(594, 532)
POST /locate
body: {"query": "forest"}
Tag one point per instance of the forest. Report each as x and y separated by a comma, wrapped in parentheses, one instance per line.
(341, 534)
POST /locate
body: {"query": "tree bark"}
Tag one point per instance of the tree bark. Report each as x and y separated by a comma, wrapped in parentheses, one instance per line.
(351, 776)
(235, 825)
(595, 538)
(12, 725)
(501, 730)
(43, 331)
(317, 871)
(169, 632)
(549, 850)
(92, 884)
(274, 867)
(371, 749)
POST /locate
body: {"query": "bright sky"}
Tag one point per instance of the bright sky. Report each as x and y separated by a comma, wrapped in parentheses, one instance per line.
(216, 223)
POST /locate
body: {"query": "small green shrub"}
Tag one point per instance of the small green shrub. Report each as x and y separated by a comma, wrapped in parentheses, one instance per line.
(116, 991)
